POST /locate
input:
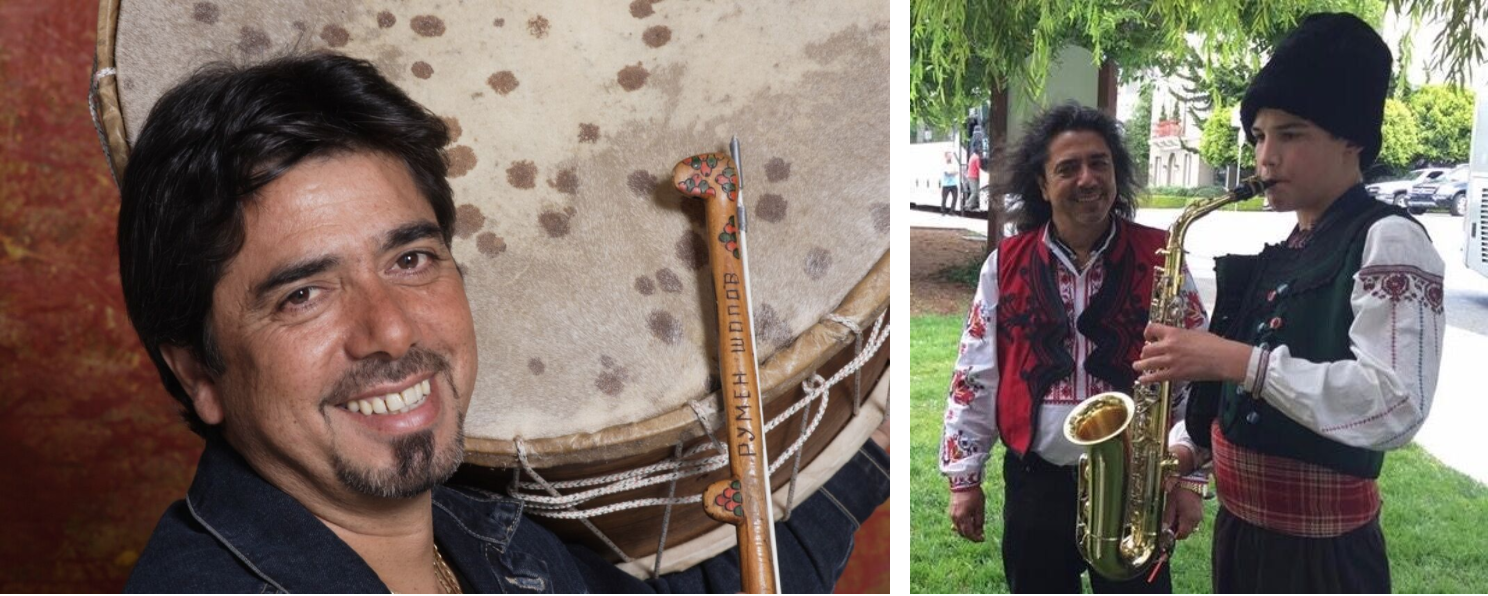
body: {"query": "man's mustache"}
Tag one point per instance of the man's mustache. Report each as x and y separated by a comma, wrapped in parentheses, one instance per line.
(366, 373)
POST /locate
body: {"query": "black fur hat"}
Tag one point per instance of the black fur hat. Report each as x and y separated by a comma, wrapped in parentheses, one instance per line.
(1333, 70)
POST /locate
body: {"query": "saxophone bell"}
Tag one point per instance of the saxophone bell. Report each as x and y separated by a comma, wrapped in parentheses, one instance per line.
(1118, 528)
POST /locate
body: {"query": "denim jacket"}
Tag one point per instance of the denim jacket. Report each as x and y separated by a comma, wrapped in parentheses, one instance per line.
(235, 532)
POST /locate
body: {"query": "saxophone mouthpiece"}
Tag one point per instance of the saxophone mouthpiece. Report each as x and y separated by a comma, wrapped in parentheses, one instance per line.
(1250, 187)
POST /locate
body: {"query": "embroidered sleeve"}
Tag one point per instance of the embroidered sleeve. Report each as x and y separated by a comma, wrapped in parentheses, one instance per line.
(970, 418)
(1379, 400)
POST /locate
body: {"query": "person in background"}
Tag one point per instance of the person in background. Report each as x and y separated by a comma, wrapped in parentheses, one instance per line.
(950, 180)
(972, 202)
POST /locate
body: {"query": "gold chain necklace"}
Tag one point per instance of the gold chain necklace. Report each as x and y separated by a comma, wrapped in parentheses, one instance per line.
(447, 580)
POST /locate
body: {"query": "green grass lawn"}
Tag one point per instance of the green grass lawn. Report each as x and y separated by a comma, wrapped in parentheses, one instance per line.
(1172, 202)
(1435, 519)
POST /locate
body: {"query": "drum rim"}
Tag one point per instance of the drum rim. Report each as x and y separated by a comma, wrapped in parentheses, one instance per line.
(109, 117)
(779, 374)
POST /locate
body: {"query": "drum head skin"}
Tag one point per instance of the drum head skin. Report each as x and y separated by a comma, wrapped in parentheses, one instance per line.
(586, 271)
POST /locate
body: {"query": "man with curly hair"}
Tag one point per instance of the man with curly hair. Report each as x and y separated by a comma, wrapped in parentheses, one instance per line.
(1065, 302)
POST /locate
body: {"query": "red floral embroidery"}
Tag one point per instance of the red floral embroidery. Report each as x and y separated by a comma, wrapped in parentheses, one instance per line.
(1403, 283)
(963, 389)
(976, 326)
(952, 452)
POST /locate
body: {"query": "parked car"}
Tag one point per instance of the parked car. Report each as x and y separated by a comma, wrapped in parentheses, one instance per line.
(1398, 191)
(1448, 191)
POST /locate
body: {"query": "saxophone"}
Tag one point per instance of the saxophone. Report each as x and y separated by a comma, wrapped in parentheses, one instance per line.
(1125, 438)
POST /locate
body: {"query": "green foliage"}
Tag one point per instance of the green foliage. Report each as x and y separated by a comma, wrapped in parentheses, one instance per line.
(1402, 136)
(1432, 516)
(961, 50)
(1444, 114)
(967, 274)
(1188, 192)
(1139, 133)
(1217, 145)
(1167, 201)
(1458, 47)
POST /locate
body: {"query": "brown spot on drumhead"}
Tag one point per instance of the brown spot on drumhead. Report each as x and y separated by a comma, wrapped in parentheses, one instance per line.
(588, 133)
(205, 12)
(771, 328)
(571, 210)
(461, 159)
(771, 208)
(657, 36)
(692, 250)
(669, 281)
(664, 327)
(567, 182)
(612, 382)
(818, 262)
(538, 26)
(641, 9)
(300, 26)
(386, 19)
(253, 41)
(633, 77)
(645, 286)
(536, 366)
(453, 124)
(427, 25)
(468, 220)
(335, 36)
(777, 169)
(503, 82)
(554, 223)
(499, 22)
(642, 183)
(522, 174)
(422, 69)
(607, 361)
(490, 244)
(880, 214)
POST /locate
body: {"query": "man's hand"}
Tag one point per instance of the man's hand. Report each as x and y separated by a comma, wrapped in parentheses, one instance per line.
(968, 513)
(1176, 354)
(1184, 510)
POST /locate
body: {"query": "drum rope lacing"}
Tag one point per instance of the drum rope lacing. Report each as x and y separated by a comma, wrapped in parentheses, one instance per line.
(555, 504)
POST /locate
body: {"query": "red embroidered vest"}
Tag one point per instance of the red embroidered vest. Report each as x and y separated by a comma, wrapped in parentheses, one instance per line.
(1032, 324)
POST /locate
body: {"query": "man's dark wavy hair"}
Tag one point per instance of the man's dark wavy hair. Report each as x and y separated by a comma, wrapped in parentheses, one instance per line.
(1022, 171)
(206, 150)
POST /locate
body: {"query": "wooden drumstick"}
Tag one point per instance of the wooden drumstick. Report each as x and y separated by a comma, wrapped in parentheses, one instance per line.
(744, 499)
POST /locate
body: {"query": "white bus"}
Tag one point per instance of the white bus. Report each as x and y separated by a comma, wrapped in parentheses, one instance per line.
(1475, 224)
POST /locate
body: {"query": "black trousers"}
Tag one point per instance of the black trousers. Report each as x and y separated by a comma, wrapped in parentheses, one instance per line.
(1252, 559)
(1038, 534)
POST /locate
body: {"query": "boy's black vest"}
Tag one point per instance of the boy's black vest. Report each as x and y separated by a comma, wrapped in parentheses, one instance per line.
(1299, 298)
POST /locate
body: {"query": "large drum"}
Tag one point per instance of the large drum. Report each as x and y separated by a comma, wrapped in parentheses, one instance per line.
(587, 273)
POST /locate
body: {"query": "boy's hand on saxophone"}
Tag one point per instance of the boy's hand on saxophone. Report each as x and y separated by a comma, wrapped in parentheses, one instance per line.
(1176, 354)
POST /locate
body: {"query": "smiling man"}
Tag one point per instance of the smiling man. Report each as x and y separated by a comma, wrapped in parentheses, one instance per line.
(1326, 346)
(1057, 318)
(284, 243)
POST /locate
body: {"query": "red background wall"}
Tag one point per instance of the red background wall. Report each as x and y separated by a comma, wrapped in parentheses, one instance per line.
(93, 446)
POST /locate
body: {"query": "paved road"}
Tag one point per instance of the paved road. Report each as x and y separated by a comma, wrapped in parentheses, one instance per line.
(1454, 430)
